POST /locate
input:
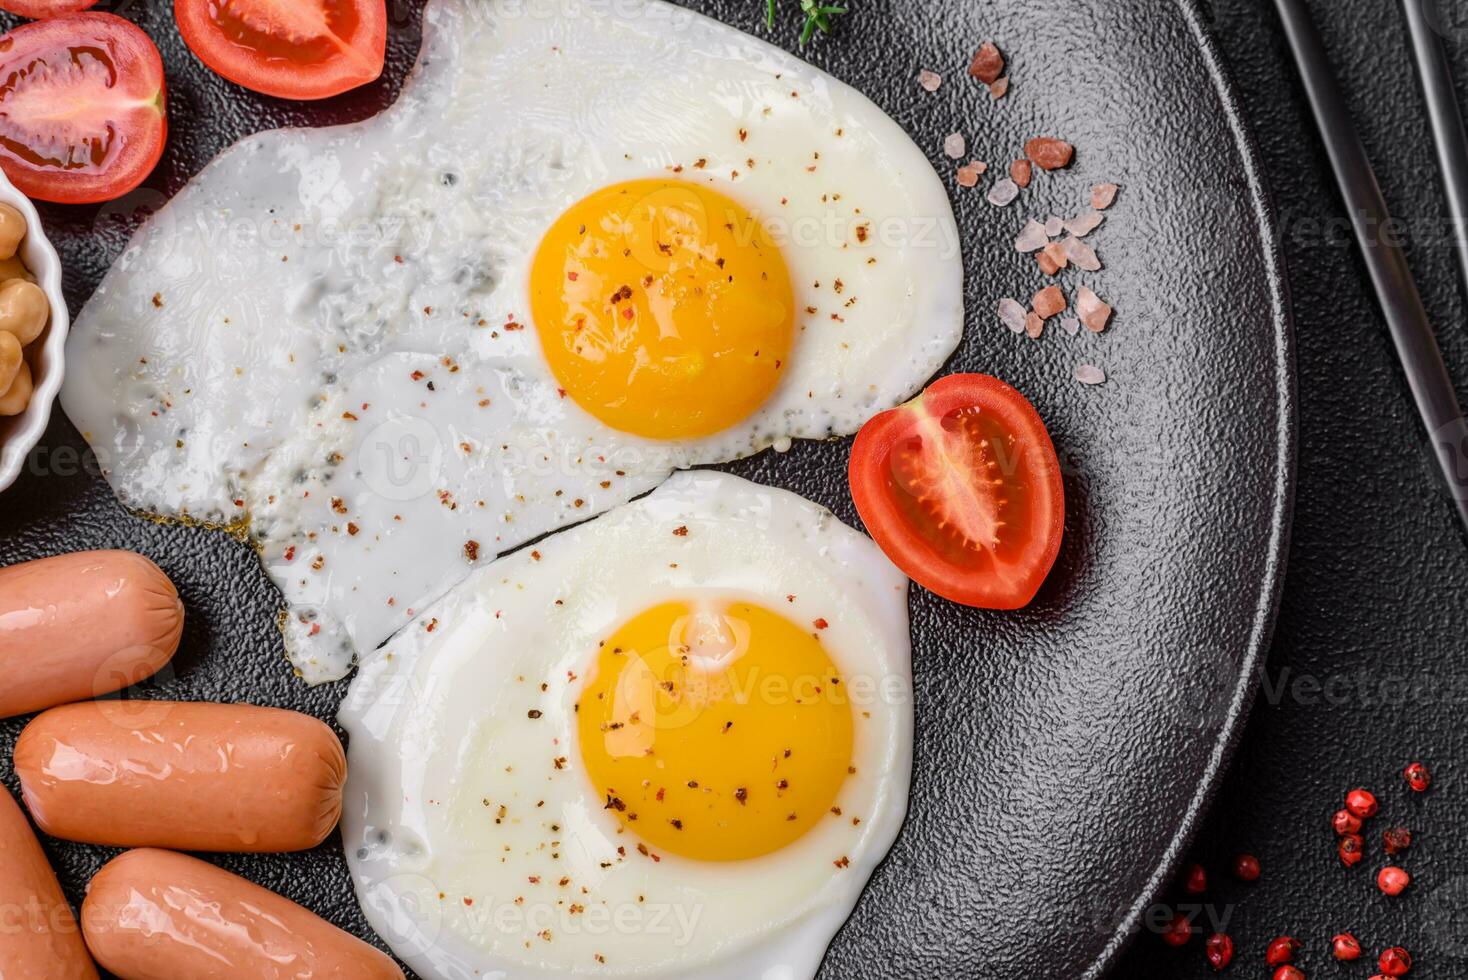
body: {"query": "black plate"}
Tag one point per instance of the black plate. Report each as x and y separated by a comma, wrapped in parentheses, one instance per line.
(1064, 752)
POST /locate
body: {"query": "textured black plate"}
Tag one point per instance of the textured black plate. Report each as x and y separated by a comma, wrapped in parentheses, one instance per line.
(1064, 752)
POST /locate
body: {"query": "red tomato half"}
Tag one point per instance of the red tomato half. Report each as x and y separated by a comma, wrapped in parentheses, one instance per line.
(294, 49)
(81, 107)
(41, 9)
(961, 488)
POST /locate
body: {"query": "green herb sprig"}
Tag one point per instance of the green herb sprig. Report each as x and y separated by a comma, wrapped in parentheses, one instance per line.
(817, 17)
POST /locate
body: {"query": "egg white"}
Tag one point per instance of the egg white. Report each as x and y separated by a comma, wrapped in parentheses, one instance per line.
(457, 793)
(326, 334)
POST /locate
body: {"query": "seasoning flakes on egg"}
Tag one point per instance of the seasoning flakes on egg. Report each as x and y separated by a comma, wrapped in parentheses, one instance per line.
(693, 744)
(589, 308)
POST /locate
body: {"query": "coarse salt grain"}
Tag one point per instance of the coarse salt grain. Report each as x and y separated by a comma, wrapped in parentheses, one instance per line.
(1102, 195)
(1055, 252)
(967, 176)
(1049, 301)
(987, 63)
(999, 89)
(1003, 193)
(1093, 311)
(929, 80)
(1082, 225)
(1012, 314)
(1070, 325)
(1032, 238)
(1083, 255)
(1054, 226)
(1034, 326)
(1089, 374)
(953, 145)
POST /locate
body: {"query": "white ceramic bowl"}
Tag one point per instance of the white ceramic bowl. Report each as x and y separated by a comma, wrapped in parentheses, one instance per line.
(20, 433)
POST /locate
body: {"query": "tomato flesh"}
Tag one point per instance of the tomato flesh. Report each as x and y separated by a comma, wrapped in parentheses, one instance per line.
(294, 49)
(82, 115)
(41, 9)
(961, 488)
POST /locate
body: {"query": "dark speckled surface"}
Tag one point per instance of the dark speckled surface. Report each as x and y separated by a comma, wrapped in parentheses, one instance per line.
(1061, 751)
(1367, 670)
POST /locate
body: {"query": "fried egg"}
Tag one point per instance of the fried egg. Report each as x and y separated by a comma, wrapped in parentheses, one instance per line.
(674, 741)
(591, 244)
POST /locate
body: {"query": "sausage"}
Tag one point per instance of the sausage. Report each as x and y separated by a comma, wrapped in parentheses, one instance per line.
(185, 775)
(159, 915)
(82, 625)
(38, 934)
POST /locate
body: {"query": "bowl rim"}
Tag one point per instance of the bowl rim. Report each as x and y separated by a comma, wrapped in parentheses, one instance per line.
(40, 257)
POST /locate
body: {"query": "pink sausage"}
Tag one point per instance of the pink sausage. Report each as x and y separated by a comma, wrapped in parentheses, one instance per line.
(158, 915)
(38, 933)
(79, 626)
(191, 776)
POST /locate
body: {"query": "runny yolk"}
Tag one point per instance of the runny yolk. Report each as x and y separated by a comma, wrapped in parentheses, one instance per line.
(663, 308)
(715, 731)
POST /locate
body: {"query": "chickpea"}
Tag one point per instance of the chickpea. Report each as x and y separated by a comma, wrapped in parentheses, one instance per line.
(14, 268)
(11, 358)
(12, 230)
(23, 310)
(14, 401)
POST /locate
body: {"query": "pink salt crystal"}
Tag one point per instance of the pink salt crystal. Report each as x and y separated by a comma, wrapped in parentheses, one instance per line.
(953, 145)
(1032, 238)
(1102, 195)
(1057, 254)
(1094, 313)
(1047, 264)
(1088, 374)
(967, 177)
(1034, 326)
(979, 166)
(929, 80)
(999, 88)
(1083, 255)
(1048, 301)
(987, 64)
(1084, 224)
(1054, 226)
(1003, 192)
(1070, 325)
(1012, 315)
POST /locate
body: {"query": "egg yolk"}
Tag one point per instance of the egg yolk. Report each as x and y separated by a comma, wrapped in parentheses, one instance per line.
(715, 731)
(663, 308)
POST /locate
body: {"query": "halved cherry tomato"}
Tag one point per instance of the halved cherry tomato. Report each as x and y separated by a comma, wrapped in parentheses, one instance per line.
(82, 113)
(294, 49)
(41, 9)
(961, 488)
